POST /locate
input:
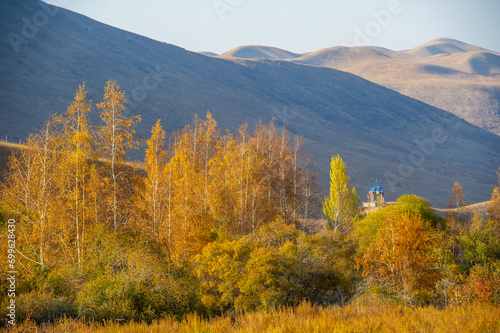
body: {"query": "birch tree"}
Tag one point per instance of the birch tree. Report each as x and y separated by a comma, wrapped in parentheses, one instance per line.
(31, 183)
(117, 138)
(78, 149)
(403, 260)
(192, 150)
(456, 217)
(156, 187)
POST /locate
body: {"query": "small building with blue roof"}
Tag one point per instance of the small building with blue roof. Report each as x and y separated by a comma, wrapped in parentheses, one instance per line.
(376, 196)
(377, 191)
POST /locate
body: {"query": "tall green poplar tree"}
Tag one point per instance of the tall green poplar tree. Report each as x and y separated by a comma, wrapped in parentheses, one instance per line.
(341, 207)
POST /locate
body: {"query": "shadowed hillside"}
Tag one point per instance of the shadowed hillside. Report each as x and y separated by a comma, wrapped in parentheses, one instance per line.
(454, 76)
(474, 62)
(410, 147)
(457, 77)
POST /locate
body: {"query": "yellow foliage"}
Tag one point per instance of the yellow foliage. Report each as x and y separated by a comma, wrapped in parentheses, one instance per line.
(116, 138)
(233, 184)
(31, 186)
(75, 169)
(402, 260)
(494, 208)
(153, 197)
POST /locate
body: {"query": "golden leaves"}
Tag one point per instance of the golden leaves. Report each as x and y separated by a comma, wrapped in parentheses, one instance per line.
(207, 183)
(402, 259)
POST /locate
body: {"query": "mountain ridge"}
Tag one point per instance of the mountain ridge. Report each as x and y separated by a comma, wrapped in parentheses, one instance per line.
(443, 46)
(442, 73)
(259, 52)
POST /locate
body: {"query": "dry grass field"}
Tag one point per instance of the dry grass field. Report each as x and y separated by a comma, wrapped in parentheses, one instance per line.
(309, 318)
(480, 207)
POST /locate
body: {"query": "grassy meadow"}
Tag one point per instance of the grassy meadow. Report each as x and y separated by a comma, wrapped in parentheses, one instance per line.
(308, 318)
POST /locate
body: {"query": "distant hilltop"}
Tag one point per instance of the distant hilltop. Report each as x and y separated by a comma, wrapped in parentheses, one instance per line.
(443, 72)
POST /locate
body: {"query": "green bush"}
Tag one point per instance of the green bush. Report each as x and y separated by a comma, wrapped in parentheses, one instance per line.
(121, 277)
(479, 248)
(277, 266)
(366, 230)
(127, 277)
(40, 307)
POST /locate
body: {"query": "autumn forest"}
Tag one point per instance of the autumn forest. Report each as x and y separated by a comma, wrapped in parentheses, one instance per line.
(216, 225)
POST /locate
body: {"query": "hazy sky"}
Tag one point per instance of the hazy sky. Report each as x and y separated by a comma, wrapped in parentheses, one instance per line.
(299, 25)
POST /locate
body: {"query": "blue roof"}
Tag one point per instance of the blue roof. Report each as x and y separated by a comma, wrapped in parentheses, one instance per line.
(377, 188)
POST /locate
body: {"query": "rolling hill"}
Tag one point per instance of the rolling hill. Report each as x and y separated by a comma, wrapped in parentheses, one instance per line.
(407, 145)
(444, 73)
(258, 52)
(443, 46)
(454, 76)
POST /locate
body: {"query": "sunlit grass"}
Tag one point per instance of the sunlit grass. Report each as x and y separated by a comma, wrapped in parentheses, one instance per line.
(11, 145)
(310, 318)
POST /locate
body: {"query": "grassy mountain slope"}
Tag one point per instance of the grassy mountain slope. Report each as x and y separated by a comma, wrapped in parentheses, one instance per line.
(457, 77)
(409, 146)
(258, 52)
(442, 46)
